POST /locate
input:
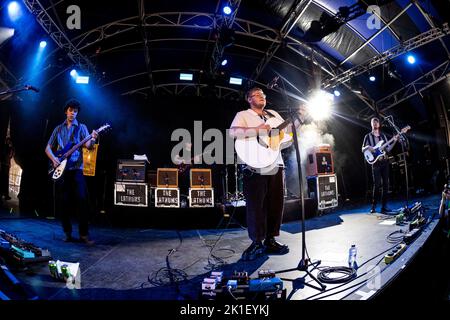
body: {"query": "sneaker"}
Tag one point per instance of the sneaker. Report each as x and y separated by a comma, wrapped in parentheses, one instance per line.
(255, 250)
(275, 247)
(85, 240)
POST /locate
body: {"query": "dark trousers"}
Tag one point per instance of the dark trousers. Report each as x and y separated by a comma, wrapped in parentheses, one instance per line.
(264, 195)
(380, 175)
(73, 189)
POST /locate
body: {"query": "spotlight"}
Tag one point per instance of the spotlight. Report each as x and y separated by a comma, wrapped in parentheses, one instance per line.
(372, 78)
(14, 10)
(237, 81)
(82, 80)
(5, 34)
(186, 76)
(224, 62)
(319, 105)
(73, 73)
(43, 44)
(337, 93)
(411, 59)
(227, 10)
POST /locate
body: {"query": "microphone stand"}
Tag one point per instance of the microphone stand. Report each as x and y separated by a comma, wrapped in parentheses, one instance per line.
(11, 91)
(304, 263)
(402, 143)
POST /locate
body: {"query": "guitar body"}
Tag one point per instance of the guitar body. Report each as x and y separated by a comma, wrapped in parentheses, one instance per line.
(370, 157)
(262, 151)
(59, 170)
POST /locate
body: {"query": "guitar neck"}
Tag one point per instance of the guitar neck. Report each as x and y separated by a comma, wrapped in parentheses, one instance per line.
(283, 125)
(75, 147)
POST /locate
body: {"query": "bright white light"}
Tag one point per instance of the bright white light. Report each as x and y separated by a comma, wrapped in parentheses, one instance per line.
(5, 34)
(14, 11)
(82, 80)
(227, 10)
(411, 59)
(319, 105)
(186, 76)
(224, 62)
(43, 44)
(372, 78)
(237, 81)
(337, 93)
(73, 73)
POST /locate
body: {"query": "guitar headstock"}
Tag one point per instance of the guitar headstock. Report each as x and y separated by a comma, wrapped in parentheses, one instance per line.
(405, 129)
(104, 127)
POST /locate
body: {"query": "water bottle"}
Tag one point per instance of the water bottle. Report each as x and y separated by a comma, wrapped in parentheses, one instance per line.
(352, 257)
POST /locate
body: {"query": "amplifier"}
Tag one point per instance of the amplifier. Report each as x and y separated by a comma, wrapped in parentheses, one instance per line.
(201, 198)
(131, 194)
(167, 197)
(201, 178)
(324, 190)
(131, 170)
(167, 178)
(319, 160)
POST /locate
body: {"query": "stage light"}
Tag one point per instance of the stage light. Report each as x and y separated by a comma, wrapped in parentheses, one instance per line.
(227, 10)
(337, 93)
(224, 62)
(237, 81)
(319, 105)
(14, 10)
(372, 78)
(186, 76)
(43, 44)
(411, 59)
(82, 80)
(5, 34)
(73, 73)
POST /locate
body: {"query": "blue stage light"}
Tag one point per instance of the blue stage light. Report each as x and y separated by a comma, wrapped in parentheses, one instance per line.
(43, 44)
(237, 81)
(337, 93)
(224, 62)
(82, 80)
(186, 76)
(227, 10)
(372, 78)
(411, 59)
(14, 10)
(73, 73)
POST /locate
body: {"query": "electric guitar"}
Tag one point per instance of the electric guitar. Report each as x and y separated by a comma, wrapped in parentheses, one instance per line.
(64, 154)
(372, 157)
(262, 151)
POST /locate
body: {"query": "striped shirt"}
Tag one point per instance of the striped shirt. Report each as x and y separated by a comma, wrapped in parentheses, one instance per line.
(62, 135)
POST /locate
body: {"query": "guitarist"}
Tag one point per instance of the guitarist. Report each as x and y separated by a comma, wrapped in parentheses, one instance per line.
(263, 191)
(380, 169)
(72, 183)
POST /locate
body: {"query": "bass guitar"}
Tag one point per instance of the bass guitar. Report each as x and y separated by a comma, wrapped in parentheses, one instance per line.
(64, 154)
(379, 152)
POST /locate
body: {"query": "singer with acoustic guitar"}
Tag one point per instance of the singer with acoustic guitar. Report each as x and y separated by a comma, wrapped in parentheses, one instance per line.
(260, 135)
(72, 184)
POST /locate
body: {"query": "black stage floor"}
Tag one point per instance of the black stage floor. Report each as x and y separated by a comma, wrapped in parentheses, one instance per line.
(129, 263)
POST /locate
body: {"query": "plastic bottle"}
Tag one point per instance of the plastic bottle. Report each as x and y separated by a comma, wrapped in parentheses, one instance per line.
(352, 257)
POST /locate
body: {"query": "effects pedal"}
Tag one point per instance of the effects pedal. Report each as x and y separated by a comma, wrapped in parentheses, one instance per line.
(394, 253)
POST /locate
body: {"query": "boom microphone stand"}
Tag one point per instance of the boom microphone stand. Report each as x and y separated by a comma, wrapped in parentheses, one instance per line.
(304, 263)
(403, 142)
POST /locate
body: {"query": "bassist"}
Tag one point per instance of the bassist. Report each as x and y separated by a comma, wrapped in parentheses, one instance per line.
(72, 184)
(380, 169)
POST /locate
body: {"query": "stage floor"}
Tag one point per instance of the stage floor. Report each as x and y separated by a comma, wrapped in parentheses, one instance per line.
(130, 263)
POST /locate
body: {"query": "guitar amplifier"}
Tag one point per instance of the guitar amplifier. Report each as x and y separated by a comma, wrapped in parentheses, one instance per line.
(319, 160)
(167, 178)
(324, 190)
(131, 171)
(201, 178)
(131, 194)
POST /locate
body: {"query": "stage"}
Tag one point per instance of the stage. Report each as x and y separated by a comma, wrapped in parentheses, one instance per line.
(130, 263)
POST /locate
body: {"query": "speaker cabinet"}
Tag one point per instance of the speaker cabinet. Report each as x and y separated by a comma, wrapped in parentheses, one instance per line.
(167, 178)
(319, 160)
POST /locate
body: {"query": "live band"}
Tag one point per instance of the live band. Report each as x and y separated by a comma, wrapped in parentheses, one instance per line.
(260, 135)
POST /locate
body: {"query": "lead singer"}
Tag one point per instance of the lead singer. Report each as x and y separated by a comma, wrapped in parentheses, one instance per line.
(264, 192)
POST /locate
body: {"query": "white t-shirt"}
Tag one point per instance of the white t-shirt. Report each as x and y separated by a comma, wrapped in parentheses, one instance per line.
(249, 119)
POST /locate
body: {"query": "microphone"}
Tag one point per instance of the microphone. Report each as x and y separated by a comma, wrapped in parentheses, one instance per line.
(28, 87)
(273, 84)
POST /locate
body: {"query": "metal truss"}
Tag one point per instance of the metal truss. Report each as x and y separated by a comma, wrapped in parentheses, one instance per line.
(60, 38)
(411, 44)
(7, 79)
(141, 6)
(183, 89)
